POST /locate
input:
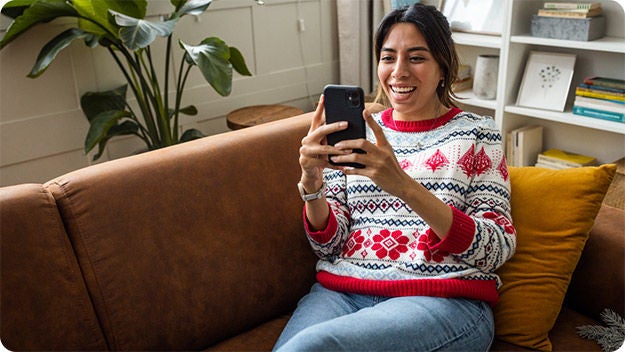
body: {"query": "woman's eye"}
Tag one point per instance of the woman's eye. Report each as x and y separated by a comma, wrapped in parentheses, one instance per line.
(417, 59)
(386, 58)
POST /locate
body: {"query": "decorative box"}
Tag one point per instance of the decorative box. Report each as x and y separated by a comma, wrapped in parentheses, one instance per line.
(584, 29)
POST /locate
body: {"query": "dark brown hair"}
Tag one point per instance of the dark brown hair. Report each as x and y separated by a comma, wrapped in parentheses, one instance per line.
(435, 29)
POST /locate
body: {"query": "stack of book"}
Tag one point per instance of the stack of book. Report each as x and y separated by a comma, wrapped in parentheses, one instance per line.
(523, 145)
(602, 98)
(580, 21)
(464, 80)
(571, 9)
(559, 159)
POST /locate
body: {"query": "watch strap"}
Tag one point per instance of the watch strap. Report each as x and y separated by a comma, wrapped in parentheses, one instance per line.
(311, 196)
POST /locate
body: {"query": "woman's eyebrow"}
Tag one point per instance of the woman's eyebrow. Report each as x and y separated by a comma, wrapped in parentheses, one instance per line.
(416, 48)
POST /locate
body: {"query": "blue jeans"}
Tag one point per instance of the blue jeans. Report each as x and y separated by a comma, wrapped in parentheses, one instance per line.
(326, 320)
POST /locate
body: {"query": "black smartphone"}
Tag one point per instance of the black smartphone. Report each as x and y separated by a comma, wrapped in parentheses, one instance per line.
(345, 103)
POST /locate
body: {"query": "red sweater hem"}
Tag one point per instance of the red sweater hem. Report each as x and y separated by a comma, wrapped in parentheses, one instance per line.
(483, 290)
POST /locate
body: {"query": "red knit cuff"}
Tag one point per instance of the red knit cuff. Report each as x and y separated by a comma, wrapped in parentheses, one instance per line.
(460, 234)
(324, 235)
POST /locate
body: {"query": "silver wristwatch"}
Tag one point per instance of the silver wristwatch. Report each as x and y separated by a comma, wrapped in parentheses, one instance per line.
(311, 196)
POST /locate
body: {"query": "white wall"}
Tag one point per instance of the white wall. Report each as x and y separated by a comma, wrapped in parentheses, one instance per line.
(42, 128)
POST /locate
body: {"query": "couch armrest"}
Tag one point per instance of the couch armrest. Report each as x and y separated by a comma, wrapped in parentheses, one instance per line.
(598, 280)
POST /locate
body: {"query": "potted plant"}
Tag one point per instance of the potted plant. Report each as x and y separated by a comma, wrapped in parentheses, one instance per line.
(120, 26)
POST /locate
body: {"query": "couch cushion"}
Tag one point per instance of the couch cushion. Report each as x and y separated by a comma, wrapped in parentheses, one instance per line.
(44, 304)
(553, 211)
(564, 335)
(261, 338)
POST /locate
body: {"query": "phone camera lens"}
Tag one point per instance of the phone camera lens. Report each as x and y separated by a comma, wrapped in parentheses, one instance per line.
(353, 98)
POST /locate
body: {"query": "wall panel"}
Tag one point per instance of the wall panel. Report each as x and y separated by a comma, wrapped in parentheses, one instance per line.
(42, 128)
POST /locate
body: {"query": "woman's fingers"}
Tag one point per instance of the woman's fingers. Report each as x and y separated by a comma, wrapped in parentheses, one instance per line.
(318, 117)
(375, 128)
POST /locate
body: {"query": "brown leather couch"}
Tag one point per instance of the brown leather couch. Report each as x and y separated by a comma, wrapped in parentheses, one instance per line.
(197, 246)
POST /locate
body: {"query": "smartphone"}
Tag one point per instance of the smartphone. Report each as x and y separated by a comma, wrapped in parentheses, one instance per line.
(345, 103)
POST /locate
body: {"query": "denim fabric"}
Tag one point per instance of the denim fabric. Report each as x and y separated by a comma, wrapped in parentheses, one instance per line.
(326, 320)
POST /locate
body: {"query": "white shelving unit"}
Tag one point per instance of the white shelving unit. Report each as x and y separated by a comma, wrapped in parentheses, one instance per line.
(564, 130)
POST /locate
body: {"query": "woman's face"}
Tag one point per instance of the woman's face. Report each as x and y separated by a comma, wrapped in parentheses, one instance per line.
(408, 73)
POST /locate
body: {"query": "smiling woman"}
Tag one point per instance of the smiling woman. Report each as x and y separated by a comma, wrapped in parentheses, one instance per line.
(409, 241)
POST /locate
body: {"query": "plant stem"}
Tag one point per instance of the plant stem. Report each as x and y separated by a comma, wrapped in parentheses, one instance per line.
(150, 101)
(161, 113)
(182, 80)
(132, 83)
(166, 95)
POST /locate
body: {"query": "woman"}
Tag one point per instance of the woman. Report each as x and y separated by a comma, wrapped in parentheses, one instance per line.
(408, 245)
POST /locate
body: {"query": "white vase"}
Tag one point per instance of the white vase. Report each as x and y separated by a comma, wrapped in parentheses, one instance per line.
(485, 79)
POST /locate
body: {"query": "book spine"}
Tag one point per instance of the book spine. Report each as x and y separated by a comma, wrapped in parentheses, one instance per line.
(584, 104)
(593, 103)
(556, 161)
(564, 14)
(606, 96)
(605, 82)
(598, 91)
(598, 113)
(603, 88)
(570, 5)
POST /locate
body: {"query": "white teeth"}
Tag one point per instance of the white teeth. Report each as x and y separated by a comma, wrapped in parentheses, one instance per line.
(402, 90)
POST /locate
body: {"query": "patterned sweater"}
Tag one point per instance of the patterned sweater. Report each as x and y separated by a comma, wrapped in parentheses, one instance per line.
(375, 244)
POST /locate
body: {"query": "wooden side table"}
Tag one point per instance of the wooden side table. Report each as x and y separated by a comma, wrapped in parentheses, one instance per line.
(257, 114)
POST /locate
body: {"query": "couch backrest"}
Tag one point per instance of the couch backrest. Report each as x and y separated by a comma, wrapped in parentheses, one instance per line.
(599, 279)
(45, 304)
(185, 246)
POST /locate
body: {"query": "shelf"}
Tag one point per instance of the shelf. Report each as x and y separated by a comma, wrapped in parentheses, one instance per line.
(605, 44)
(482, 40)
(568, 118)
(467, 97)
(605, 57)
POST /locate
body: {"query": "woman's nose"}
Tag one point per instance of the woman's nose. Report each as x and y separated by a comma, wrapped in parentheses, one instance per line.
(399, 70)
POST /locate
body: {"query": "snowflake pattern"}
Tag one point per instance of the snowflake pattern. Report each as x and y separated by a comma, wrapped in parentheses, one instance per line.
(426, 241)
(390, 244)
(501, 221)
(353, 244)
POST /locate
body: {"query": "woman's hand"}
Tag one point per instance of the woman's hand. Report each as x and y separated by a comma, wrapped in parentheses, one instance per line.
(314, 152)
(381, 165)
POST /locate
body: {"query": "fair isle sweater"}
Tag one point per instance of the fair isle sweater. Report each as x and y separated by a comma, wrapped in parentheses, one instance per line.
(374, 244)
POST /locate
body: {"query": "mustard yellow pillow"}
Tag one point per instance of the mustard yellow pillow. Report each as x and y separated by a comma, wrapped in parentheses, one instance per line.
(553, 212)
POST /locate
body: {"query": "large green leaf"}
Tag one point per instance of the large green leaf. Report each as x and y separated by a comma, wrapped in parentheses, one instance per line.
(137, 33)
(95, 103)
(191, 134)
(125, 128)
(238, 62)
(15, 8)
(40, 11)
(100, 126)
(190, 110)
(212, 58)
(97, 11)
(53, 47)
(190, 7)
